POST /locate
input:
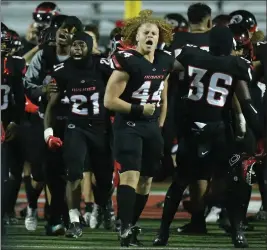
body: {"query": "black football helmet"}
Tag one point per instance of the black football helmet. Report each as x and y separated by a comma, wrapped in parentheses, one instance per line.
(47, 35)
(241, 35)
(178, 22)
(15, 40)
(6, 39)
(43, 14)
(244, 18)
(221, 20)
(57, 21)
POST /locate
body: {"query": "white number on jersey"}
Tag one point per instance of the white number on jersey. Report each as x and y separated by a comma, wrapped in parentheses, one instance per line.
(196, 91)
(143, 93)
(78, 100)
(126, 54)
(4, 101)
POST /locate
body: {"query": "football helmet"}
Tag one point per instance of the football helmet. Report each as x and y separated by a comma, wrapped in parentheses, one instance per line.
(242, 167)
(57, 21)
(15, 40)
(178, 22)
(241, 36)
(245, 18)
(6, 39)
(43, 14)
(221, 20)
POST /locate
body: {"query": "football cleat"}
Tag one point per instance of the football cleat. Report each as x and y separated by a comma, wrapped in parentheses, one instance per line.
(125, 236)
(134, 242)
(96, 217)
(31, 219)
(74, 231)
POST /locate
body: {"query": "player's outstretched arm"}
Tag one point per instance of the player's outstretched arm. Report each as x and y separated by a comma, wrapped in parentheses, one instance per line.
(48, 116)
(249, 111)
(115, 87)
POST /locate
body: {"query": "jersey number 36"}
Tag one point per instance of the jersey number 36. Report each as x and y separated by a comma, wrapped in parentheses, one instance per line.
(215, 96)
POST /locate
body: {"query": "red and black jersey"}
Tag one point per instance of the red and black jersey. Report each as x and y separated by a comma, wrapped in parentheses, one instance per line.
(12, 89)
(146, 80)
(83, 90)
(211, 80)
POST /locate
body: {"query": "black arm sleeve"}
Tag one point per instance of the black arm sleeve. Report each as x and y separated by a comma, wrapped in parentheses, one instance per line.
(249, 111)
(19, 98)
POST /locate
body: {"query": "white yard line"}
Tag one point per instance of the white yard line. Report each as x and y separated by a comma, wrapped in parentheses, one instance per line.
(99, 247)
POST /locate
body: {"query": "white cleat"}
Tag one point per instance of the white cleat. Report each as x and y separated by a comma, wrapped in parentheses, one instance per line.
(214, 214)
(31, 219)
(87, 217)
(96, 217)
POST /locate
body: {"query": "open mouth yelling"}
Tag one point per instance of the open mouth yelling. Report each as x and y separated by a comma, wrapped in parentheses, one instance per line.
(149, 42)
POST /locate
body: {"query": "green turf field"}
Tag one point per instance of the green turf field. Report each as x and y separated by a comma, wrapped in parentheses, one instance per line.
(19, 238)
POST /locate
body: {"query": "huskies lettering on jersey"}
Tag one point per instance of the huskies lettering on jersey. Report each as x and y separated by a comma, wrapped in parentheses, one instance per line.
(159, 77)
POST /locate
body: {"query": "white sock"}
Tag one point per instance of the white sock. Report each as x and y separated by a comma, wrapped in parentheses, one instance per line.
(74, 215)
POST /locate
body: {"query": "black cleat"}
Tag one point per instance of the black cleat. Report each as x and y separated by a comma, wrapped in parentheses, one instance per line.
(125, 236)
(109, 216)
(134, 242)
(239, 240)
(74, 231)
(192, 228)
(55, 230)
(161, 240)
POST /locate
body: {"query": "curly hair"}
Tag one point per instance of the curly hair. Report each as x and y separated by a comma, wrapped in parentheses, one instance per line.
(131, 26)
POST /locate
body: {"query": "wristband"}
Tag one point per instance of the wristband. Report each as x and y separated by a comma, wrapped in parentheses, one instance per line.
(47, 133)
(137, 110)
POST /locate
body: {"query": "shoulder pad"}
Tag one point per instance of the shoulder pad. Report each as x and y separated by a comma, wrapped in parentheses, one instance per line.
(121, 60)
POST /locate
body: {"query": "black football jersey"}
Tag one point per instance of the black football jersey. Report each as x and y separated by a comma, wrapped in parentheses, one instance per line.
(12, 89)
(83, 90)
(211, 80)
(260, 54)
(146, 80)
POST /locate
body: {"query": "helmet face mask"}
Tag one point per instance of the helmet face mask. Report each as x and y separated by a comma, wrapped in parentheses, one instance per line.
(6, 40)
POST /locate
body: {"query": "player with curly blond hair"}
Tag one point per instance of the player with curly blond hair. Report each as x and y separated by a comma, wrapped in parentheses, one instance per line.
(137, 92)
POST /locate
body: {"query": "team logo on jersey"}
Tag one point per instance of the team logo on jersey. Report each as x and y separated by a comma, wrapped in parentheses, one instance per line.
(82, 81)
(154, 69)
(234, 159)
(236, 19)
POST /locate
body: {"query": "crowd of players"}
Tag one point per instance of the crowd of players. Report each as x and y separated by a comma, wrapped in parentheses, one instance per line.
(69, 111)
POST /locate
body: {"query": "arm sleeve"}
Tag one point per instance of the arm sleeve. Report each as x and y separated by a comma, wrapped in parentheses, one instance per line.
(19, 98)
(32, 81)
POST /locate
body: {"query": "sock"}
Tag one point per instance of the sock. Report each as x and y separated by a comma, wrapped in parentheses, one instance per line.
(172, 200)
(13, 187)
(89, 207)
(74, 215)
(28, 185)
(34, 195)
(198, 218)
(126, 200)
(140, 202)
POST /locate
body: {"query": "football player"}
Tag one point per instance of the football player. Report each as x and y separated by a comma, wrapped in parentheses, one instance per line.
(12, 114)
(82, 80)
(199, 17)
(207, 106)
(137, 92)
(37, 87)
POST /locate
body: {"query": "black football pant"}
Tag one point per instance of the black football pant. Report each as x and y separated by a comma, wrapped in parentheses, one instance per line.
(55, 178)
(91, 146)
(14, 161)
